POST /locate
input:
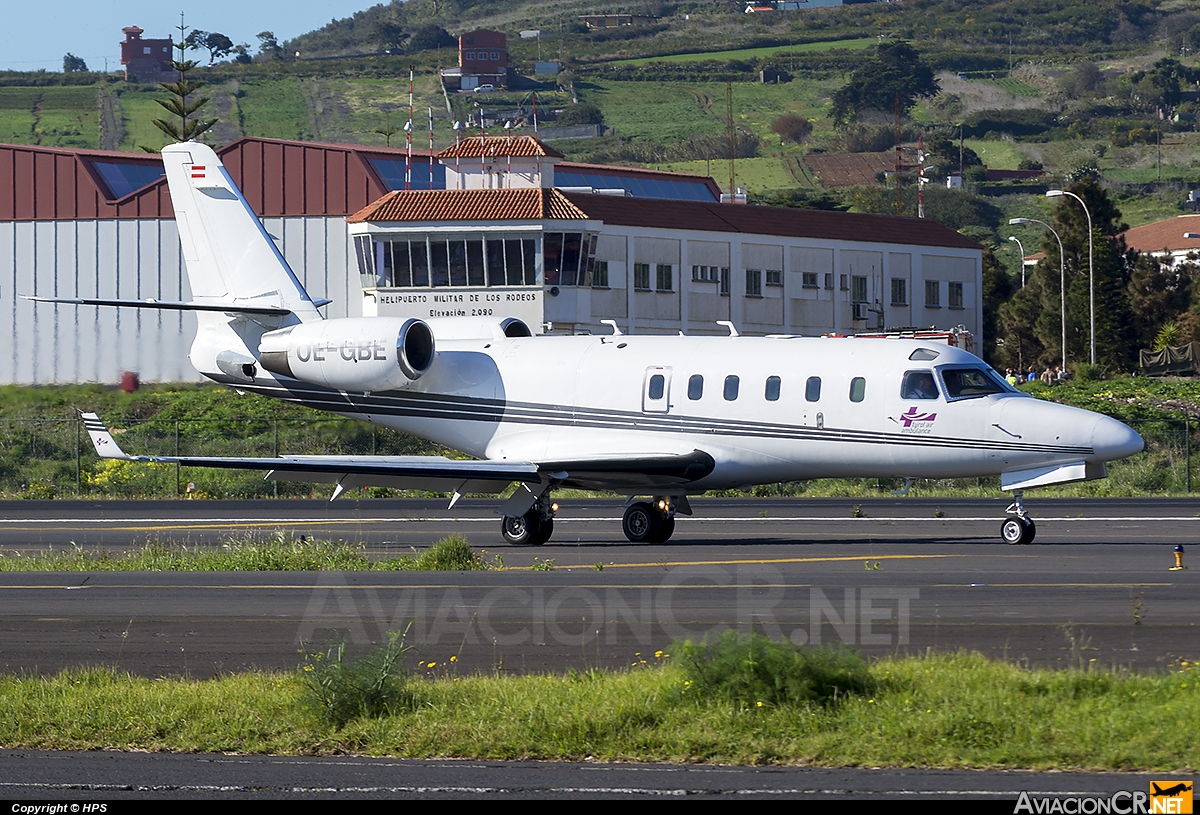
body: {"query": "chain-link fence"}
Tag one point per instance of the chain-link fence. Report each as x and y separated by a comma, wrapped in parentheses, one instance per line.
(46, 458)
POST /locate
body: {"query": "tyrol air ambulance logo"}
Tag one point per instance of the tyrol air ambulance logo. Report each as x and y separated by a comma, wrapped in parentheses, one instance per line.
(917, 421)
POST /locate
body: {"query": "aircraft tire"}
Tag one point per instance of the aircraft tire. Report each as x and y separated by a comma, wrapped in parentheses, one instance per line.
(544, 532)
(641, 522)
(1017, 531)
(524, 530)
(666, 529)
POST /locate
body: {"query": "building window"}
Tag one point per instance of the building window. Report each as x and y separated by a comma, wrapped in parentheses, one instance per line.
(754, 282)
(470, 55)
(641, 276)
(695, 387)
(899, 291)
(146, 50)
(600, 274)
(954, 295)
(844, 283)
(772, 392)
(731, 388)
(725, 281)
(662, 277)
(828, 281)
(933, 294)
(705, 274)
(808, 280)
(774, 277)
(858, 389)
(812, 389)
(858, 288)
(449, 260)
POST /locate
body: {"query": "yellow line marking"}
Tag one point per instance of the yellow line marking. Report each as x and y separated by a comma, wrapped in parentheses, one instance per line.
(740, 562)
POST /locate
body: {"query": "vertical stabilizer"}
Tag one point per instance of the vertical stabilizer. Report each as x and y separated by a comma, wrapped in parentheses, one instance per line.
(229, 255)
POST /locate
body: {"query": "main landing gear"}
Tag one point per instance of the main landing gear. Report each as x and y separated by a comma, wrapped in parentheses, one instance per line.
(649, 522)
(534, 527)
(1019, 529)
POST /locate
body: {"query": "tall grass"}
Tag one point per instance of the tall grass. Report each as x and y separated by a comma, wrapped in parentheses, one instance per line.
(952, 710)
(282, 552)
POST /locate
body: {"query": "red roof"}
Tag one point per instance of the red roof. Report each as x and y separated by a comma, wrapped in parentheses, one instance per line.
(1165, 235)
(499, 146)
(471, 205)
(652, 213)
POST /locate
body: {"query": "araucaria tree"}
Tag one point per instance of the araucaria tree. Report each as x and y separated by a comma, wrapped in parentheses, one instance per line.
(184, 126)
(897, 72)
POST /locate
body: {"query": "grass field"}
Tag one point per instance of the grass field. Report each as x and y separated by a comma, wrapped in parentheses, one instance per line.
(952, 711)
(758, 53)
(997, 155)
(1016, 86)
(51, 116)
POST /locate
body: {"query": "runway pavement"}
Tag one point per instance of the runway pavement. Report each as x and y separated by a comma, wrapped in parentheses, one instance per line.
(909, 575)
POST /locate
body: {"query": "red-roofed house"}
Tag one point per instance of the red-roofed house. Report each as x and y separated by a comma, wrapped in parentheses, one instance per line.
(145, 60)
(1165, 238)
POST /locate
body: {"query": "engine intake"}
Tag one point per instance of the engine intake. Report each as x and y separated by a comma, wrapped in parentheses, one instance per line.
(351, 353)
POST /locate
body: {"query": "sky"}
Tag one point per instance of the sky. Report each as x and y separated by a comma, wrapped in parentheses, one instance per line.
(36, 36)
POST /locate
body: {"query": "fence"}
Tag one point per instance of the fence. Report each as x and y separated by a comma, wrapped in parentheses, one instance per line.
(45, 458)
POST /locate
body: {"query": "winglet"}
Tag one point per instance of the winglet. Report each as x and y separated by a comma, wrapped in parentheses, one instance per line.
(102, 440)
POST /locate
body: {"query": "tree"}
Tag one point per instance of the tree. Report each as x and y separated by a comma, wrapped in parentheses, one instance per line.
(429, 37)
(268, 47)
(189, 126)
(217, 44)
(584, 113)
(389, 34)
(997, 290)
(791, 127)
(73, 64)
(896, 71)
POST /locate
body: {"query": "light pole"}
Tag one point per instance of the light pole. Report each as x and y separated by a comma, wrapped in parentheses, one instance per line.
(1062, 273)
(1017, 241)
(1091, 267)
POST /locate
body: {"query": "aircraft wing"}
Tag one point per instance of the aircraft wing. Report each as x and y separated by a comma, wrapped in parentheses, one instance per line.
(438, 473)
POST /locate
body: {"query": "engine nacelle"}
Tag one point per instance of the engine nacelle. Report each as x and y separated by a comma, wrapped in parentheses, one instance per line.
(351, 353)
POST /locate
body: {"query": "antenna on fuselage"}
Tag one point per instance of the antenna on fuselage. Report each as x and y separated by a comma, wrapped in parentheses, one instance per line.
(733, 332)
(613, 324)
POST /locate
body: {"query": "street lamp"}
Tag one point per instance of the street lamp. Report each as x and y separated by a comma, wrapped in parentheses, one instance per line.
(1091, 266)
(1062, 273)
(1015, 240)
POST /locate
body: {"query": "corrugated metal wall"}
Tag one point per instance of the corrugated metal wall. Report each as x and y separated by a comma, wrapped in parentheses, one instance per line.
(132, 259)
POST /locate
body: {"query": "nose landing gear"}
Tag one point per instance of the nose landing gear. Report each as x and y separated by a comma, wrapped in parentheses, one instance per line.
(1018, 530)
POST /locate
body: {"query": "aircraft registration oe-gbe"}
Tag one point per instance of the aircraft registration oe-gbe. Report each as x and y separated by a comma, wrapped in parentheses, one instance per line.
(652, 417)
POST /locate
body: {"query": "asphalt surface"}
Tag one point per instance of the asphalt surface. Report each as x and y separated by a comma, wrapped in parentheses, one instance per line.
(892, 576)
(907, 576)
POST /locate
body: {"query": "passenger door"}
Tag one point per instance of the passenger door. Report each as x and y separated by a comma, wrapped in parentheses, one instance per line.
(656, 390)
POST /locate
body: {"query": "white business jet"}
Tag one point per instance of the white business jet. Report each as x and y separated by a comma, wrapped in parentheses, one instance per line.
(662, 417)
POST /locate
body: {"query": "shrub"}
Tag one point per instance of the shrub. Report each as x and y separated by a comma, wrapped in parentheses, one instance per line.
(751, 669)
(337, 691)
(791, 127)
(450, 554)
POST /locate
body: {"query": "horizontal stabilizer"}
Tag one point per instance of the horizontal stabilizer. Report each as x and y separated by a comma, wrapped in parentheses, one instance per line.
(173, 305)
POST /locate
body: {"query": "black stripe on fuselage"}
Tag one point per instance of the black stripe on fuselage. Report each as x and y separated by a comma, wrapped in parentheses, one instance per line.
(419, 405)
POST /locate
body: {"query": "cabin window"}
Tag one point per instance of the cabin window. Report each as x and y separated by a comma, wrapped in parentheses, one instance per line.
(858, 389)
(657, 386)
(695, 387)
(969, 383)
(918, 385)
(731, 388)
(812, 389)
(772, 393)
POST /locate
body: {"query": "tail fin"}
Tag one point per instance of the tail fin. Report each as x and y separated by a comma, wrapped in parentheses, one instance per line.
(106, 446)
(229, 255)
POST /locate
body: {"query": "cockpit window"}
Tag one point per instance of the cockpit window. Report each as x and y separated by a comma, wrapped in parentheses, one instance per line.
(918, 385)
(967, 383)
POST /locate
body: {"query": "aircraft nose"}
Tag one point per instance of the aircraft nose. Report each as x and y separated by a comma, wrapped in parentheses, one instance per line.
(1112, 440)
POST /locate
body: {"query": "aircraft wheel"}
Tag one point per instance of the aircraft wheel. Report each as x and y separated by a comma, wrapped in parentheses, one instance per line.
(641, 522)
(544, 533)
(665, 530)
(524, 530)
(1018, 531)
